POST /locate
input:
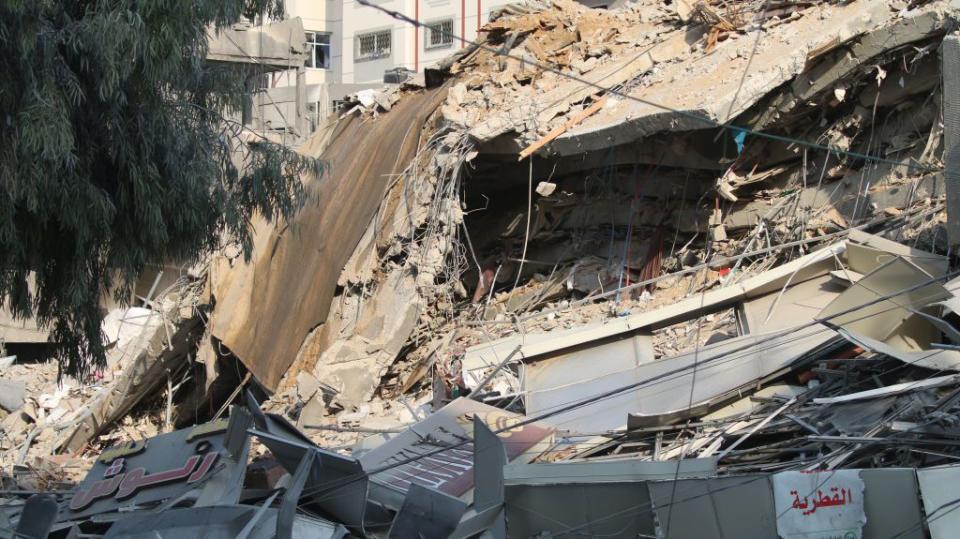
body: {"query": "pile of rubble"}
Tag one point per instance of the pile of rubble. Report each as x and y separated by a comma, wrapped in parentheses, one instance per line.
(52, 424)
(676, 269)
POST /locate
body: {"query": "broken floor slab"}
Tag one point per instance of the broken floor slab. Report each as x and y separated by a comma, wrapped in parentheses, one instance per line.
(778, 324)
(783, 53)
(279, 45)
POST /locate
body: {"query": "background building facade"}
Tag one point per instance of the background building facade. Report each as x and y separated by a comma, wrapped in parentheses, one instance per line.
(352, 47)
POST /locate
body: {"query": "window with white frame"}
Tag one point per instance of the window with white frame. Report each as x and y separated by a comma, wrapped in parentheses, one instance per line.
(373, 45)
(439, 34)
(318, 50)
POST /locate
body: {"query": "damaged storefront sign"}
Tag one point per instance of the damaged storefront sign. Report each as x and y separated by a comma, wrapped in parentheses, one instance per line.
(819, 505)
(451, 470)
(155, 469)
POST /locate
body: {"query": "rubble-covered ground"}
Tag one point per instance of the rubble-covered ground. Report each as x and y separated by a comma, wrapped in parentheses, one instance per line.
(585, 204)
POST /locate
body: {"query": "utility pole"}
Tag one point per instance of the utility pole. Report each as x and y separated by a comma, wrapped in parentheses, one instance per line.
(301, 121)
(950, 58)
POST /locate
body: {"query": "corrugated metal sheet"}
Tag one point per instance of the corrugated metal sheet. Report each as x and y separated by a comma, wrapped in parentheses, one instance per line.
(295, 273)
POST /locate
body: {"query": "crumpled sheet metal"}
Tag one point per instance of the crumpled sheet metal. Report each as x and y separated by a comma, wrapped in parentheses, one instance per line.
(894, 389)
(264, 317)
(900, 326)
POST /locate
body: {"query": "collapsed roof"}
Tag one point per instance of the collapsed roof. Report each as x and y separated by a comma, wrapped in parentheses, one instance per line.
(750, 127)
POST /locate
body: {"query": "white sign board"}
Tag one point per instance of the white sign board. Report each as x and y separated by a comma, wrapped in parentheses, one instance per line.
(819, 505)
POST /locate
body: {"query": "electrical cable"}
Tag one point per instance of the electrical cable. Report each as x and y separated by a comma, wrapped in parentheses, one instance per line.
(651, 506)
(622, 389)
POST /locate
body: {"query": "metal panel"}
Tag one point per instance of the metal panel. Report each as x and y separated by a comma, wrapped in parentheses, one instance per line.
(583, 373)
(489, 457)
(878, 318)
(819, 504)
(218, 522)
(329, 472)
(291, 497)
(603, 498)
(718, 508)
(801, 302)
(579, 510)
(151, 470)
(866, 252)
(941, 501)
(38, 516)
(606, 471)
(226, 486)
(427, 514)
(892, 503)
(221, 522)
(720, 369)
(935, 359)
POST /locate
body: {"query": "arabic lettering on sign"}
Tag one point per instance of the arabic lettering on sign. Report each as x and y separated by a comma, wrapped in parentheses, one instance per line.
(819, 505)
(810, 504)
(121, 485)
(450, 471)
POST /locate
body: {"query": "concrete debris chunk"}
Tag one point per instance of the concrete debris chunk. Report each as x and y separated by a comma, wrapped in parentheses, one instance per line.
(12, 394)
(546, 189)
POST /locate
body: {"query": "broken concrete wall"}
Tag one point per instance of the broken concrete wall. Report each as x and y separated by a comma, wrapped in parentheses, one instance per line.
(280, 44)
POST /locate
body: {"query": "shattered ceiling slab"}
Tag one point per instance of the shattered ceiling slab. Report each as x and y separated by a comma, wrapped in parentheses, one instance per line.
(674, 77)
(711, 91)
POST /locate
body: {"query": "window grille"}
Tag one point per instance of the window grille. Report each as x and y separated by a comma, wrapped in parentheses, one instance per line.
(439, 34)
(373, 45)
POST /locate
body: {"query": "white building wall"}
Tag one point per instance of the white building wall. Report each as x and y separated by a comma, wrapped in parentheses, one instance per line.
(409, 45)
(318, 16)
(345, 20)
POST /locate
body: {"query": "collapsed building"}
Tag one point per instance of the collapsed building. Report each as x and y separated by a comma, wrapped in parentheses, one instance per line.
(674, 270)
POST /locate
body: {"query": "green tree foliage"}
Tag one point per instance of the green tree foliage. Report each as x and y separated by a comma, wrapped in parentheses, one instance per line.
(114, 153)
